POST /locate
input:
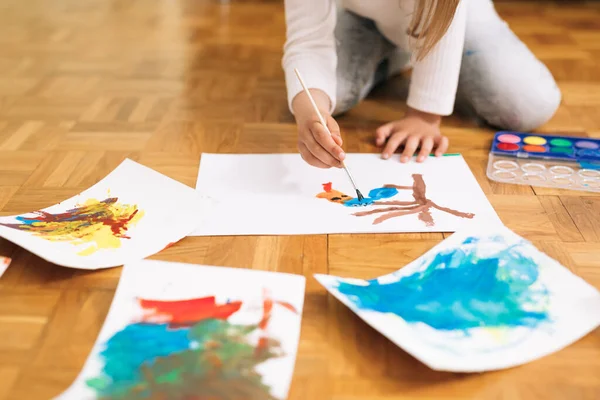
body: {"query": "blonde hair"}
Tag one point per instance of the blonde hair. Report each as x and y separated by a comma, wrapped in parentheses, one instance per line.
(431, 20)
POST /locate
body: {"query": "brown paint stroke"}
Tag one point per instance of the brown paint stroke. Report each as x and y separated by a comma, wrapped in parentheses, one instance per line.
(398, 187)
(426, 217)
(421, 205)
(419, 189)
(383, 210)
(395, 203)
(453, 212)
(393, 215)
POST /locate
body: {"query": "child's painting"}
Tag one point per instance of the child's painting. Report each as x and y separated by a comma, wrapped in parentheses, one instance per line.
(4, 263)
(132, 213)
(481, 300)
(280, 194)
(388, 209)
(181, 331)
(101, 223)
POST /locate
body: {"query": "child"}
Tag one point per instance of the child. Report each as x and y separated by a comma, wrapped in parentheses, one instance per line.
(459, 46)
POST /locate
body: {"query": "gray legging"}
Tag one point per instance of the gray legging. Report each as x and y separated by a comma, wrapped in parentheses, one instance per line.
(500, 78)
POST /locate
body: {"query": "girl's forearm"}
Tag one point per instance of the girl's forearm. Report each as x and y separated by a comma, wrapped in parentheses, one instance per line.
(310, 47)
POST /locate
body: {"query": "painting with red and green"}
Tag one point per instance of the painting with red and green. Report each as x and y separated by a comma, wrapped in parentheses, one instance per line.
(180, 331)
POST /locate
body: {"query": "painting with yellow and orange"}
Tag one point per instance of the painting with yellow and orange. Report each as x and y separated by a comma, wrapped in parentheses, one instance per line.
(100, 223)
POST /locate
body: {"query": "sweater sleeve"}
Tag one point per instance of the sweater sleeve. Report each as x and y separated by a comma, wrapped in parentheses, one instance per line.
(435, 78)
(310, 47)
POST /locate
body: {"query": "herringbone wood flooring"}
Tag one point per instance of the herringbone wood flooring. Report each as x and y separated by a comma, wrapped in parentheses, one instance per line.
(84, 84)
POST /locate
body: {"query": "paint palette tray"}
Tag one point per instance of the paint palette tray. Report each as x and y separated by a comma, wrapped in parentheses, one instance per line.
(543, 160)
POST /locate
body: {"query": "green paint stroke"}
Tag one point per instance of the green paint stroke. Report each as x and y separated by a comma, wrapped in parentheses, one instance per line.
(446, 155)
(460, 289)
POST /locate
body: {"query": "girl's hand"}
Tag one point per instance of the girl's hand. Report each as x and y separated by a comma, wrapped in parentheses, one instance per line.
(416, 129)
(317, 147)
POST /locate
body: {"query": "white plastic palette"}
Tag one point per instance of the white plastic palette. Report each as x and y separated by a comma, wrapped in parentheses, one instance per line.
(545, 173)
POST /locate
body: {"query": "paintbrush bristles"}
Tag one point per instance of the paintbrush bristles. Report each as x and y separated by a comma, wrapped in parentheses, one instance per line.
(359, 195)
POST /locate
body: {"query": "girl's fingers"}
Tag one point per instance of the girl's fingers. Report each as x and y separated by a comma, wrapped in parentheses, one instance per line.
(385, 131)
(442, 146)
(334, 128)
(426, 147)
(320, 153)
(409, 148)
(393, 143)
(325, 141)
(309, 158)
(337, 140)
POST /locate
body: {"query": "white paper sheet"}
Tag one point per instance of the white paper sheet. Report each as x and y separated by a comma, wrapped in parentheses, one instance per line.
(132, 213)
(142, 354)
(276, 194)
(468, 306)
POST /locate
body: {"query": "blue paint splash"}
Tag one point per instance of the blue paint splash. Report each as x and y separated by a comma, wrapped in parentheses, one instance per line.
(354, 202)
(383, 193)
(139, 344)
(26, 221)
(458, 290)
(374, 195)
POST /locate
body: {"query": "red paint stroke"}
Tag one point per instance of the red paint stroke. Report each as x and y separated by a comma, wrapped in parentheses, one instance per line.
(263, 340)
(267, 309)
(287, 306)
(268, 303)
(261, 346)
(185, 313)
(327, 187)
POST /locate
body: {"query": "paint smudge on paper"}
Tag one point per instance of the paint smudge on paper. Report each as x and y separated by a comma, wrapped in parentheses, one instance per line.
(421, 205)
(186, 313)
(333, 195)
(462, 288)
(4, 263)
(336, 196)
(101, 224)
(188, 349)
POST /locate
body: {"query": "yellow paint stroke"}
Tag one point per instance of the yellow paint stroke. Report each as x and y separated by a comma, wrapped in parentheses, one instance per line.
(102, 224)
(500, 335)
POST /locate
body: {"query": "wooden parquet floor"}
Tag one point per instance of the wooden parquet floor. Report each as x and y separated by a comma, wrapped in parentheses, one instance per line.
(84, 84)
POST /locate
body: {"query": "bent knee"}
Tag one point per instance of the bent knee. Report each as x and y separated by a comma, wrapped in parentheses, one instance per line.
(528, 112)
(538, 112)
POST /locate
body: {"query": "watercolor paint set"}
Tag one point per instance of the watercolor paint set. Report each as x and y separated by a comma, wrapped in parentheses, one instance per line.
(560, 162)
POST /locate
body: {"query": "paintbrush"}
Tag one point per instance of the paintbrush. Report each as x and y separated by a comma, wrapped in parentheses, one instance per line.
(322, 120)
